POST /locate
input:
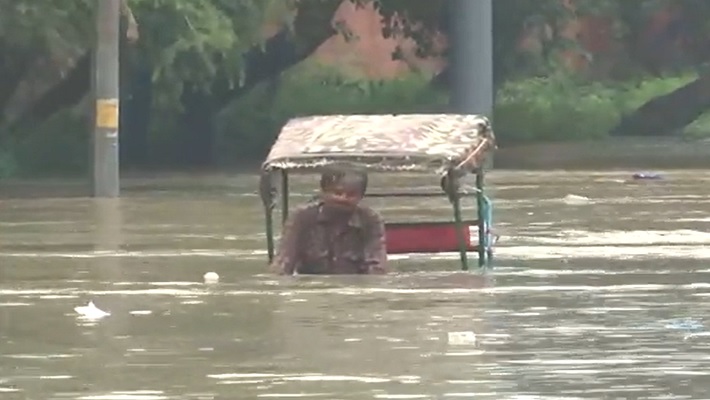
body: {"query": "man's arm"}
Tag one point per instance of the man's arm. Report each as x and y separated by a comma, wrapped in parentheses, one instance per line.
(375, 245)
(287, 259)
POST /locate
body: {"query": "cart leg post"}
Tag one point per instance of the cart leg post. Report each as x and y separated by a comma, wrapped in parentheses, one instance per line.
(490, 241)
(269, 214)
(267, 192)
(481, 206)
(458, 220)
(284, 196)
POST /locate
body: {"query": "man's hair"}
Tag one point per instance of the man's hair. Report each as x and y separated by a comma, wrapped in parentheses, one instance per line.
(345, 175)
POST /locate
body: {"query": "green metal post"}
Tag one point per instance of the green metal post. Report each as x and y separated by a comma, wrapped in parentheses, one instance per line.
(480, 200)
(284, 196)
(456, 200)
(267, 193)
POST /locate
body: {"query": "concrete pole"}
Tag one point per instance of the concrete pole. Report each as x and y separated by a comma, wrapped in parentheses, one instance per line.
(106, 181)
(472, 89)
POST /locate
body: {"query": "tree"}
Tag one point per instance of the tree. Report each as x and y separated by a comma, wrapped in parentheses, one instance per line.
(38, 37)
(312, 25)
(183, 41)
(424, 21)
(685, 37)
(199, 55)
(191, 58)
(688, 34)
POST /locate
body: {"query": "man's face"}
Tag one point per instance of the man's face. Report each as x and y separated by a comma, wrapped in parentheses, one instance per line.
(342, 197)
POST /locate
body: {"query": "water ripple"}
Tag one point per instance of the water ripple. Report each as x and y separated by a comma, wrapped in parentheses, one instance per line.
(607, 299)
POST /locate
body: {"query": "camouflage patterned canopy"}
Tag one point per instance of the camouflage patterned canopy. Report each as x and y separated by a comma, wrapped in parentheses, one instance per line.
(405, 142)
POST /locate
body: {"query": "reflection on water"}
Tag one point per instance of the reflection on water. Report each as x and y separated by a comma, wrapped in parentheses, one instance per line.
(602, 299)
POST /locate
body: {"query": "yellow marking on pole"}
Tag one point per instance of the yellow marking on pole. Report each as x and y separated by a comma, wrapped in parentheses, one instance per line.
(107, 113)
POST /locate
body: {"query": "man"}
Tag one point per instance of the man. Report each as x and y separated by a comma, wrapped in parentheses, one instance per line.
(335, 234)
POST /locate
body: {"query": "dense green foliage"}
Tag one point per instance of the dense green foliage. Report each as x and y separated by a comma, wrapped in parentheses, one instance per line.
(192, 42)
(533, 109)
(210, 53)
(560, 108)
(552, 108)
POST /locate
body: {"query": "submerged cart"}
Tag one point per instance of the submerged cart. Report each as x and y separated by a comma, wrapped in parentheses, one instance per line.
(447, 146)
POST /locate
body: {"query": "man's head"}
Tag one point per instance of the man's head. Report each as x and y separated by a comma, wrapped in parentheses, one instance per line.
(343, 187)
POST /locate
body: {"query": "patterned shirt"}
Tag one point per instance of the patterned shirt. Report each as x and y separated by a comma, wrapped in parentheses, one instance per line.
(315, 243)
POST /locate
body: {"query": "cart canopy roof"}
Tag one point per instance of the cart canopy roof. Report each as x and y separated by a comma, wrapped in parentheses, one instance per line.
(404, 142)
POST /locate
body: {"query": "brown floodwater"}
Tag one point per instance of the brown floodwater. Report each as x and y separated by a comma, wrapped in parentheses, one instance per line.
(597, 295)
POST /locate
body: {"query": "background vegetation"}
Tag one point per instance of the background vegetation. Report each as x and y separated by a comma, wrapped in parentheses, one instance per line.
(203, 85)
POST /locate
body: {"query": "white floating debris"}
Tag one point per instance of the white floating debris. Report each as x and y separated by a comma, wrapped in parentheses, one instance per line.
(90, 311)
(573, 199)
(137, 395)
(211, 277)
(466, 338)
(141, 312)
(696, 335)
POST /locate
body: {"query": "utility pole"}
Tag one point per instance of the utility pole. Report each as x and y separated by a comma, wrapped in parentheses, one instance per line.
(472, 86)
(106, 181)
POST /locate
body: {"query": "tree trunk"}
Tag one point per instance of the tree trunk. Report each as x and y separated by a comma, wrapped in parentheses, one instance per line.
(14, 64)
(136, 99)
(312, 27)
(197, 136)
(66, 93)
(669, 113)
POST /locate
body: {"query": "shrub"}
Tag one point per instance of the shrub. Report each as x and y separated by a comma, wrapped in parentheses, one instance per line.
(553, 108)
(8, 164)
(58, 146)
(699, 129)
(557, 107)
(248, 127)
(561, 108)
